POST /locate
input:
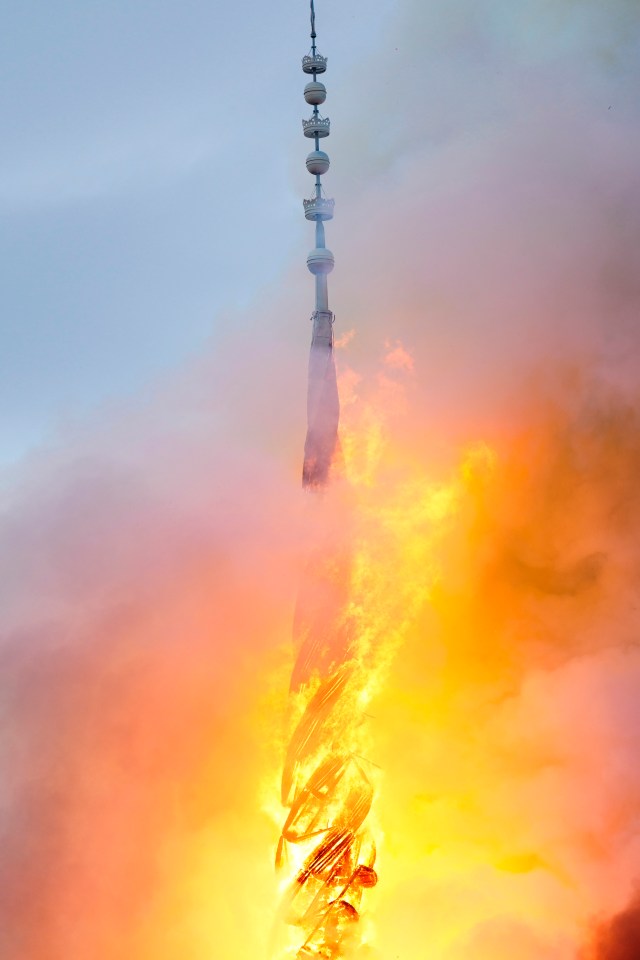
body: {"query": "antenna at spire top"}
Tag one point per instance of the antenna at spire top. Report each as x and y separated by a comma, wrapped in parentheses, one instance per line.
(313, 21)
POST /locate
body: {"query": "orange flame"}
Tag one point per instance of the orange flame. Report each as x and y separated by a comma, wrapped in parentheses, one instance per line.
(466, 600)
(492, 592)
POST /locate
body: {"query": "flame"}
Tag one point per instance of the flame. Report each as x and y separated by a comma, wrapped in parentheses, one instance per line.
(491, 590)
(467, 596)
(391, 529)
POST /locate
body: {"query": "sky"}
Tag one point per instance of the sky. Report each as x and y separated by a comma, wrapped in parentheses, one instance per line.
(145, 199)
(152, 531)
(149, 186)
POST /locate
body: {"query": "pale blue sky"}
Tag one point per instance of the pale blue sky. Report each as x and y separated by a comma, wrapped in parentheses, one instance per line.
(149, 150)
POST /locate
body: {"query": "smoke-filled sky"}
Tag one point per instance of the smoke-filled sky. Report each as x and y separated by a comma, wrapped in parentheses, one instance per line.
(156, 303)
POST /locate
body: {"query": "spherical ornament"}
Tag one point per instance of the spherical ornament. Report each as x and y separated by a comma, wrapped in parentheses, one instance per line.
(318, 162)
(315, 93)
(320, 260)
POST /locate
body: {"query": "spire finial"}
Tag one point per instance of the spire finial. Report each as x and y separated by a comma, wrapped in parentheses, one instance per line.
(323, 405)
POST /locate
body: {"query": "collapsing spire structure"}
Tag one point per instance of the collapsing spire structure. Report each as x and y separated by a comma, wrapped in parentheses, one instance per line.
(326, 850)
(323, 407)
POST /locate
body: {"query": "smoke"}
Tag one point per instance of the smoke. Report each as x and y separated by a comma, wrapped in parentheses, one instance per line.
(502, 153)
(131, 660)
(487, 227)
(619, 939)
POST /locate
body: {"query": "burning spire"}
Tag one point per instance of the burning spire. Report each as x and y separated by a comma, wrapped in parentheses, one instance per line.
(323, 408)
(326, 851)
